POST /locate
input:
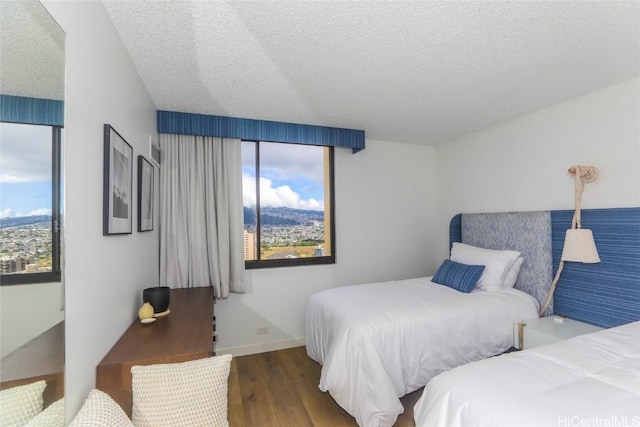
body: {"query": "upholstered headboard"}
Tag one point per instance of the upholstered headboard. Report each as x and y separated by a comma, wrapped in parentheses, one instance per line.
(527, 232)
(605, 294)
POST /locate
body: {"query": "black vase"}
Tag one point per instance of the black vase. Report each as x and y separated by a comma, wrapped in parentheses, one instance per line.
(158, 297)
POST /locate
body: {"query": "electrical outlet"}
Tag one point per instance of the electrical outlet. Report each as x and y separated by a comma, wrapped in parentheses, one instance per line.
(262, 330)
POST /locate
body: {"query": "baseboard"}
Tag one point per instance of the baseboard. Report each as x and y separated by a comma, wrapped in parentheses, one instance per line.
(245, 350)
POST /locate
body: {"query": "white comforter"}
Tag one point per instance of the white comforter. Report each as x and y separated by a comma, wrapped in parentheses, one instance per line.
(378, 342)
(590, 380)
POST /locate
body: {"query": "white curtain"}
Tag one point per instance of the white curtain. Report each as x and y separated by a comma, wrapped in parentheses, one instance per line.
(201, 217)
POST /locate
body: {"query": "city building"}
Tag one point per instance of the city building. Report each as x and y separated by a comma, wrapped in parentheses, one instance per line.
(249, 245)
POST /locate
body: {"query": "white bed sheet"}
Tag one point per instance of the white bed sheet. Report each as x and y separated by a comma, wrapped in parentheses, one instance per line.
(378, 342)
(590, 380)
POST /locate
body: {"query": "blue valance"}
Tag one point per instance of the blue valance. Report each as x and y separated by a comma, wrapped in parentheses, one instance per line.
(35, 111)
(259, 130)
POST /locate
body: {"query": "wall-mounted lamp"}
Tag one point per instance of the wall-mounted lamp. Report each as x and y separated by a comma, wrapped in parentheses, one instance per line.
(579, 245)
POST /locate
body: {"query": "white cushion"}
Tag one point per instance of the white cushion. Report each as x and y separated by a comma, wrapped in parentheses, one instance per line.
(100, 410)
(191, 393)
(52, 416)
(497, 263)
(18, 405)
(512, 275)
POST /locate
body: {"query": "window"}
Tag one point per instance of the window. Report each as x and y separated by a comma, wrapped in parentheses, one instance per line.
(30, 159)
(288, 204)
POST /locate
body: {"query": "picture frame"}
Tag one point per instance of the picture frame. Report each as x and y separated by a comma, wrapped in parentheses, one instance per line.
(117, 188)
(145, 194)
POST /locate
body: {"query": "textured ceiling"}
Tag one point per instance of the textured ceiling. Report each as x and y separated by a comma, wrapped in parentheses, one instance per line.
(31, 51)
(418, 72)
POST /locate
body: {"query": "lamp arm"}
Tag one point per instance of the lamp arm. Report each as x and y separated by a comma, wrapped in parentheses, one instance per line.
(579, 188)
(553, 288)
(582, 175)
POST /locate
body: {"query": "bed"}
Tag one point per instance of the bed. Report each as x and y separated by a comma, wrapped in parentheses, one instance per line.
(592, 379)
(378, 342)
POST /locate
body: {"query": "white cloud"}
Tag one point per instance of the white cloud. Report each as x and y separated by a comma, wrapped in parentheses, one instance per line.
(287, 161)
(9, 213)
(282, 196)
(14, 179)
(41, 211)
(25, 153)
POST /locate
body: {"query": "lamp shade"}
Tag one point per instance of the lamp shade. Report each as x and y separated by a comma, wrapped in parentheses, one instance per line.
(579, 246)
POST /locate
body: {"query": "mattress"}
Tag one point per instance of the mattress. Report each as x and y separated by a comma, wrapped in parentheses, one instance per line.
(377, 342)
(590, 380)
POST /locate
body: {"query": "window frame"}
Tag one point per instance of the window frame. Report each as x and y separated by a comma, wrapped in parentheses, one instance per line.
(55, 274)
(293, 262)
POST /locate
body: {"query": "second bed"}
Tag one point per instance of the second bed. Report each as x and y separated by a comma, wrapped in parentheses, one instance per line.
(378, 342)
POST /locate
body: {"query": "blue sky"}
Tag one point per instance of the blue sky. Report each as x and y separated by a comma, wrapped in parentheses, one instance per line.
(22, 199)
(25, 170)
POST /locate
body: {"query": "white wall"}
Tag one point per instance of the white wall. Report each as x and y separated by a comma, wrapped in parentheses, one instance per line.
(26, 311)
(522, 164)
(385, 211)
(104, 276)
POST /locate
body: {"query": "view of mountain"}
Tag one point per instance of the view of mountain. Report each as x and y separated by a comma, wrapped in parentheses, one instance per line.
(283, 216)
(23, 220)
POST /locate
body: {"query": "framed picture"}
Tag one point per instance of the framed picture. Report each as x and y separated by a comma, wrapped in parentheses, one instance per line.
(145, 195)
(118, 173)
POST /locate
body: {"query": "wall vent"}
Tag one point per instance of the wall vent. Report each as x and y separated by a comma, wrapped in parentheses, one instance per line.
(154, 151)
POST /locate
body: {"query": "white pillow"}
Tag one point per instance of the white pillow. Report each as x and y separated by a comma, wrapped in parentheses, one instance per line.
(190, 393)
(497, 263)
(512, 275)
(52, 416)
(20, 404)
(100, 410)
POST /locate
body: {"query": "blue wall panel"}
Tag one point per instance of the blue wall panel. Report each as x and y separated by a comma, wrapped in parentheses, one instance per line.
(607, 293)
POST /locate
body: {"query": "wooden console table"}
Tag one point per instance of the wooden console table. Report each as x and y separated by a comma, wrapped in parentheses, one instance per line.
(186, 333)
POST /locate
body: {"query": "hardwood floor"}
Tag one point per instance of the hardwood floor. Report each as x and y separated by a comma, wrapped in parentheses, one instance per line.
(280, 389)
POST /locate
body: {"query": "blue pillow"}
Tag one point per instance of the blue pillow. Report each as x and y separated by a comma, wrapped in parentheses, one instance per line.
(461, 277)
